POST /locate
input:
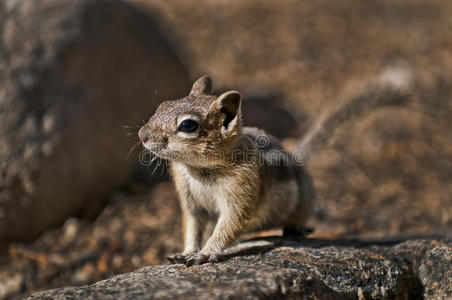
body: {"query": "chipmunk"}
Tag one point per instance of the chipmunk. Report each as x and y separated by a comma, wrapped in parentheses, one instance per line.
(238, 178)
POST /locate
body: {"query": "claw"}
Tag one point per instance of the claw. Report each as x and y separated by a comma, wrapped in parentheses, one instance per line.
(196, 259)
(214, 258)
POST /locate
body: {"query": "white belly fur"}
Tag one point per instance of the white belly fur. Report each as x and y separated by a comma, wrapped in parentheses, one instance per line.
(279, 200)
(205, 194)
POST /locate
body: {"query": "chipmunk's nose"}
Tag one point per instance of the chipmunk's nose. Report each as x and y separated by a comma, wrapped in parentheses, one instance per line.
(143, 134)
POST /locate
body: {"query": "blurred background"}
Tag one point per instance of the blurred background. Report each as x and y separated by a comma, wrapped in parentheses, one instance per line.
(78, 78)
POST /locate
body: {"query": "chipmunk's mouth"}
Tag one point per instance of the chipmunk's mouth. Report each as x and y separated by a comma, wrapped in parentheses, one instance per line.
(158, 149)
(154, 146)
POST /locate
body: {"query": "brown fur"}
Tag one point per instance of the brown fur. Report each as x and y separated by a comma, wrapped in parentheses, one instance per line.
(229, 178)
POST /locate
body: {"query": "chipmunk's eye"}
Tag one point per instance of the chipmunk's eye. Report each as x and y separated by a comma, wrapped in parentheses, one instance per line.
(188, 125)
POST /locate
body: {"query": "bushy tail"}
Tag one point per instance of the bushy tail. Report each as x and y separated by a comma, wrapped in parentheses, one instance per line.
(384, 93)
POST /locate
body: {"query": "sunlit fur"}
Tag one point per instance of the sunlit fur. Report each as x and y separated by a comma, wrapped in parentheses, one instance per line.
(222, 174)
(227, 177)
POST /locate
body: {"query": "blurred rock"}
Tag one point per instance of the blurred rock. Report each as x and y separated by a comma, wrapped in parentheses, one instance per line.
(276, 268)
(268, 112)
(70, 229)
(73, 74)
(130, 233)
(10, 285)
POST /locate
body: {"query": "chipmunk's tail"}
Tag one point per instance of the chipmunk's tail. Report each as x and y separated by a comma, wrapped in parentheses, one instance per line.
(390, 90)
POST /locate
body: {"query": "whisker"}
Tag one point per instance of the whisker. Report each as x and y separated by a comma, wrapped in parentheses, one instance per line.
(153, 159)
(163, 169)
(156, 167)
(127, 126)
(132, 148)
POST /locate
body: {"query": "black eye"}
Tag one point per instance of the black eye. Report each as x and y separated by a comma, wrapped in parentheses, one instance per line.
(188, 125)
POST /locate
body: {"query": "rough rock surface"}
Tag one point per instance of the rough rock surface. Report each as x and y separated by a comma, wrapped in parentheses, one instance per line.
(72, 74)
(276, 268)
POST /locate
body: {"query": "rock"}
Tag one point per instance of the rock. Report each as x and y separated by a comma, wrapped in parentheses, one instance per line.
(275, 268)
(73, 74)
(9, 285)
(436, 271)
(262, 110)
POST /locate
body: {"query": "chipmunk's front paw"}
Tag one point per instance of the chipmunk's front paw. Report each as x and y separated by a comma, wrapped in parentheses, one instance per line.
(196, 259)
(199, 258)
(214, 258)
(177, 258)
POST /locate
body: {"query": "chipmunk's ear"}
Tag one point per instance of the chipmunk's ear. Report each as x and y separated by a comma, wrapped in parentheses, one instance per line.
(228, 104)
(202, 86)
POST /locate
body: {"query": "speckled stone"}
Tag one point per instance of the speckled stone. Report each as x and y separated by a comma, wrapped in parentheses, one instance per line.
(276, 268)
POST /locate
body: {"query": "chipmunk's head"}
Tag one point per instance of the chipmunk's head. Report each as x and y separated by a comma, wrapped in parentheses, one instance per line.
(197, 130)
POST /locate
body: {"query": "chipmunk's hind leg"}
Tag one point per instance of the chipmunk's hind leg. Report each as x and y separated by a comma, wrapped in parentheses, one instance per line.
(297, 232)
(295, 224)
